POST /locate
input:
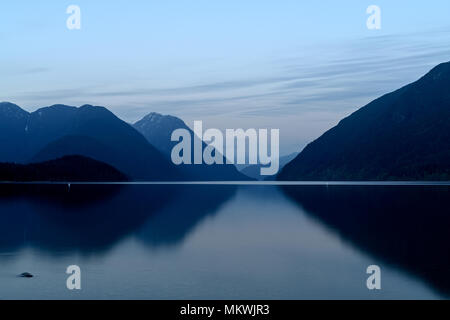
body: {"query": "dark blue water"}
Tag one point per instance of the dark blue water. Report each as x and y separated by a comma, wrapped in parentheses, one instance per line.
(225, 242)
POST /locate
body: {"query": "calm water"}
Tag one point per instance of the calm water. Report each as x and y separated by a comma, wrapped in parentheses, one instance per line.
(225, 242)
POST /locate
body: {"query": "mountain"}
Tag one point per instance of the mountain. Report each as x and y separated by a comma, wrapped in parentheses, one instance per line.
(404, 135)
(60, 130)
(254, 171)
(158, 129)
(13, 121)
(67, 169)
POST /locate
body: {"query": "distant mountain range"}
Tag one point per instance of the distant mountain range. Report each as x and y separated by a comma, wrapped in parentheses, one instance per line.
(254, 171)
(69, 168)
(404, 135)
(158, 129)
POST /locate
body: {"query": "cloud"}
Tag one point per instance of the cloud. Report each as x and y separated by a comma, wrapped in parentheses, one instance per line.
(204, 88)
(339, 77)
(36, 70)
(24, 71)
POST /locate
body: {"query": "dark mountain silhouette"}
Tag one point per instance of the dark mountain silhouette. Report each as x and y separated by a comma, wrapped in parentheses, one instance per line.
(67, 169)
(13, 126)
(74, 145)
(403, 135)
(158, 129)
(59, 130)
(254, 171)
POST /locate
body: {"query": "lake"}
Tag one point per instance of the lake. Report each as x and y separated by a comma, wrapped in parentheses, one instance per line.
(224, 242)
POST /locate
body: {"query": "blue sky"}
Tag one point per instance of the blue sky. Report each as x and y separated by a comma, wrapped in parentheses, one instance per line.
(295, 65)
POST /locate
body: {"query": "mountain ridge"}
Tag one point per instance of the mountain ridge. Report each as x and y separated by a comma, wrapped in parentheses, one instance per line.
(402, 135)
(158, 128)
(35, 138)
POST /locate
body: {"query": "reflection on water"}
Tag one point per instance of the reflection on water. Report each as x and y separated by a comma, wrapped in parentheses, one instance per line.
(405, 226)
(153, 242)
(94, 218)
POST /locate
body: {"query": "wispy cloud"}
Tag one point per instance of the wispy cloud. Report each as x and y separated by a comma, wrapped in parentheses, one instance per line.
(24, 71)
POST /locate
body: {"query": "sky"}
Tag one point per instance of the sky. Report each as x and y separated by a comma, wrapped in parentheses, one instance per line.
(298, 66)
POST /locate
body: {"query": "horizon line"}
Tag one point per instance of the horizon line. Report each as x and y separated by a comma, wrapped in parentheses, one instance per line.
(244, 183)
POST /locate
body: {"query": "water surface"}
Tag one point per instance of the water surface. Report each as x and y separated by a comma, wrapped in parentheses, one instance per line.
(224, 242)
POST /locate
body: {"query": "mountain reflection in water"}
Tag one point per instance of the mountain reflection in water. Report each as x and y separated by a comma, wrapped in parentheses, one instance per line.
(231, 242)
(406, 226)
(92, 218)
